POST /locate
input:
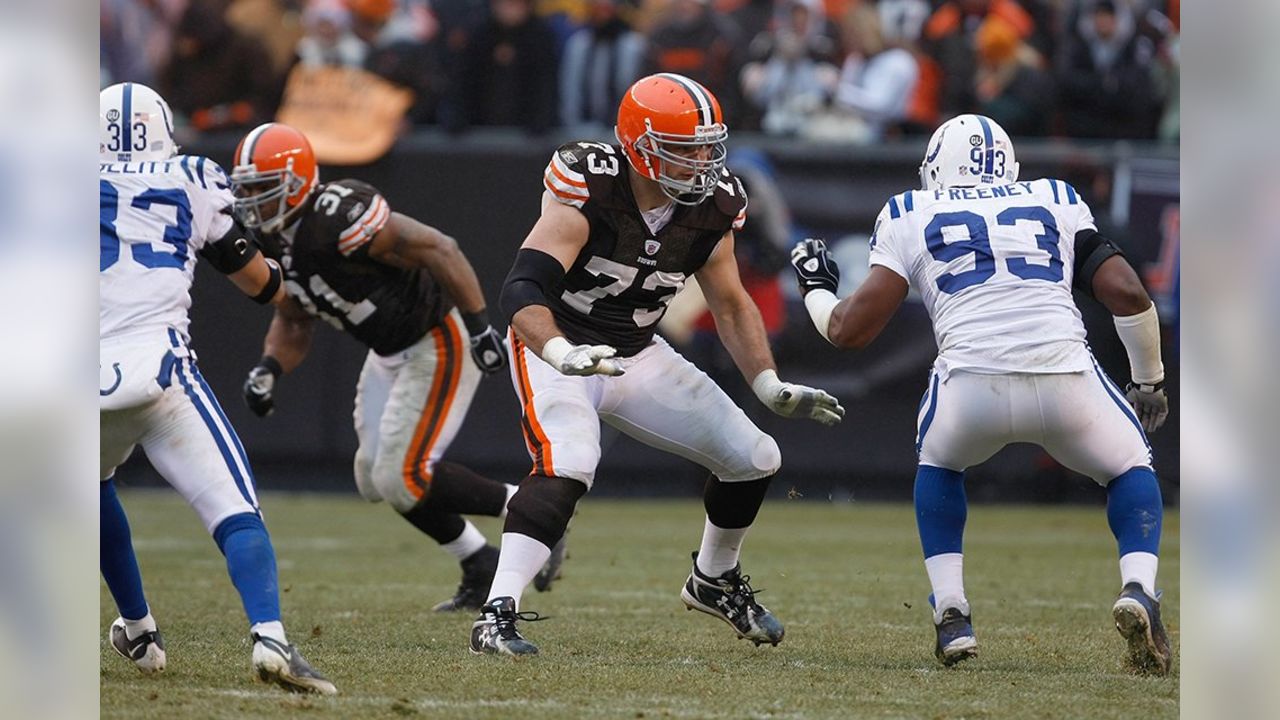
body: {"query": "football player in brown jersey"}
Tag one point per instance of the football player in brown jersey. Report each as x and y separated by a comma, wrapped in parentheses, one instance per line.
(622, 228)
(406, 291)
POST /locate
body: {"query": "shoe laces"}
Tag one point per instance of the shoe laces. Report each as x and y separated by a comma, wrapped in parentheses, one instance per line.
(505, 622)
(738, 587)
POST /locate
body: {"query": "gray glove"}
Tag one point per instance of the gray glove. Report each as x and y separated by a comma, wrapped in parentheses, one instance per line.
(1150, 402)
(796, 401)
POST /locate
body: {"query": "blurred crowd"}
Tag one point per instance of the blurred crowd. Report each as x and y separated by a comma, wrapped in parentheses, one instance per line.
(851, 70)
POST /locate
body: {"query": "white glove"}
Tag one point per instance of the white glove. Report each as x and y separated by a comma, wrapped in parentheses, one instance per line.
(791, 400)
(572, 359)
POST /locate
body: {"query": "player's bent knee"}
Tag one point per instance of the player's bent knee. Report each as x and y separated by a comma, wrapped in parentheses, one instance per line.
(543, 506)
(763, 460)
(391, 484)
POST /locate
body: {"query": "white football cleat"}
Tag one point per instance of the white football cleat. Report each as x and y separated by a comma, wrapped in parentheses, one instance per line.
(283, 665)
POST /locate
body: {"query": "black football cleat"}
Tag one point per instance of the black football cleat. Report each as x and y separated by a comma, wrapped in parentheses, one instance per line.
(477, 576)
(1137, 617)
(731, 598)
(495, 633)
(956, 641)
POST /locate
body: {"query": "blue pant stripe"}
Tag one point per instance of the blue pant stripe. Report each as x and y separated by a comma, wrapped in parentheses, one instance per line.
(928, 416)
(226, 424)
(214, 431)
(1118, 398)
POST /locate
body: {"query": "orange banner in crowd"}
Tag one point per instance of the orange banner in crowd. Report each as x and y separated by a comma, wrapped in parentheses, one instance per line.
(350, 116)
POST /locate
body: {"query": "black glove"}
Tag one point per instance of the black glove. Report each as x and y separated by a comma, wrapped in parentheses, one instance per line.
(1150, 402)
(815, 270)
(486, 344)
(260, 385)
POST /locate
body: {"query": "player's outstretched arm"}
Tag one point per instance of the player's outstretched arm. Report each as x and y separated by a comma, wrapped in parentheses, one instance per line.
(856, 320)
(286, 345)
(406, 243)
(1117, 287)
(547, 253)
(742, 331)
(261, 279)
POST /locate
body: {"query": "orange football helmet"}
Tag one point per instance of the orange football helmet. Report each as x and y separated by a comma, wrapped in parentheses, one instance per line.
(672, 131)
(275, 170)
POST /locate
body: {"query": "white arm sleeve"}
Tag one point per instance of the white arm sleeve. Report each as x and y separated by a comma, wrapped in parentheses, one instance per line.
(1141, 337)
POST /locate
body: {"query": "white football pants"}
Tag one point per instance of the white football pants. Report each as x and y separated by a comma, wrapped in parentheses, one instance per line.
(409, 407)
(1081, 419)
(663, 401)
(188, 440)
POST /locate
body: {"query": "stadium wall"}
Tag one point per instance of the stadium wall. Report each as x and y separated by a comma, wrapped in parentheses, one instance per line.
(484, 188)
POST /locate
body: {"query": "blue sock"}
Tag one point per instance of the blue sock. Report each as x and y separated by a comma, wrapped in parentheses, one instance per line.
(941, 510)
(115, 555)
(251, 562)
(1135, 511)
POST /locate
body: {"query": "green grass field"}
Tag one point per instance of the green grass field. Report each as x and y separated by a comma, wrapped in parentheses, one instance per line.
(846, 580)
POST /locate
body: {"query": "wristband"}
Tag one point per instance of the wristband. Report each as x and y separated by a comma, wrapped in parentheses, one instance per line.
(274, 278)
(766, 385)
(477, 322)
(272, 365)
(820, 304)
(555, 349)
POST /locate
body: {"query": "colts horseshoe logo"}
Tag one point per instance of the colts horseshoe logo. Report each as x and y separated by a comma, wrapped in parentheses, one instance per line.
(115, 367)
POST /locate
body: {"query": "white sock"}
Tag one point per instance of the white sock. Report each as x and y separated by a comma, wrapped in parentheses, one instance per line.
(946, 575)
(1139, 567)
(511, 492)
(720, 549)
(466, 544)
(134, 628)
(273, 630)
(521, 558)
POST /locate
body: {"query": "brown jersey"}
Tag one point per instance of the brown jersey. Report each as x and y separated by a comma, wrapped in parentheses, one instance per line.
(620, 284)
(329, 272)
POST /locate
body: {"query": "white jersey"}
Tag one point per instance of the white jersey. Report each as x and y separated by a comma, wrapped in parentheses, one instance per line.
(994, 266)
(155, 217)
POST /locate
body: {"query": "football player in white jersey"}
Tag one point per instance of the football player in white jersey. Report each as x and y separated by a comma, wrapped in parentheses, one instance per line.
(995, 260)
(158, 210)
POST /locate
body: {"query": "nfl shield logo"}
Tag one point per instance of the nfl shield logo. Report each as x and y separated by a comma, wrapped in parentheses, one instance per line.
(651, 247)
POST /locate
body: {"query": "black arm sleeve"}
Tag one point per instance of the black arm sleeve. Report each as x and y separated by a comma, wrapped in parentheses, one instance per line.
(1092, 249)
(232, 251)
(533, 276)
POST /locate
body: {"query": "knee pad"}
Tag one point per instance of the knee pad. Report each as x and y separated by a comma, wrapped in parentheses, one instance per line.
(389, 483)
(543, 507)
(766, 458)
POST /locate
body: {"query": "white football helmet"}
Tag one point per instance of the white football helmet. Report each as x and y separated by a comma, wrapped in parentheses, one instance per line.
(135, 124)
(968, 150)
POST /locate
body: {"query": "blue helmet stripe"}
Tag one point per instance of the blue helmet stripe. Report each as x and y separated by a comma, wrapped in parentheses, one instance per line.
(989, 144)
(127, 117)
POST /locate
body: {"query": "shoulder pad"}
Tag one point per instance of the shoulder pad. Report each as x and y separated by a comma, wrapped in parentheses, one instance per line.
(731, 199)
(350, 213)
(565, 177)
(1063, 192)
